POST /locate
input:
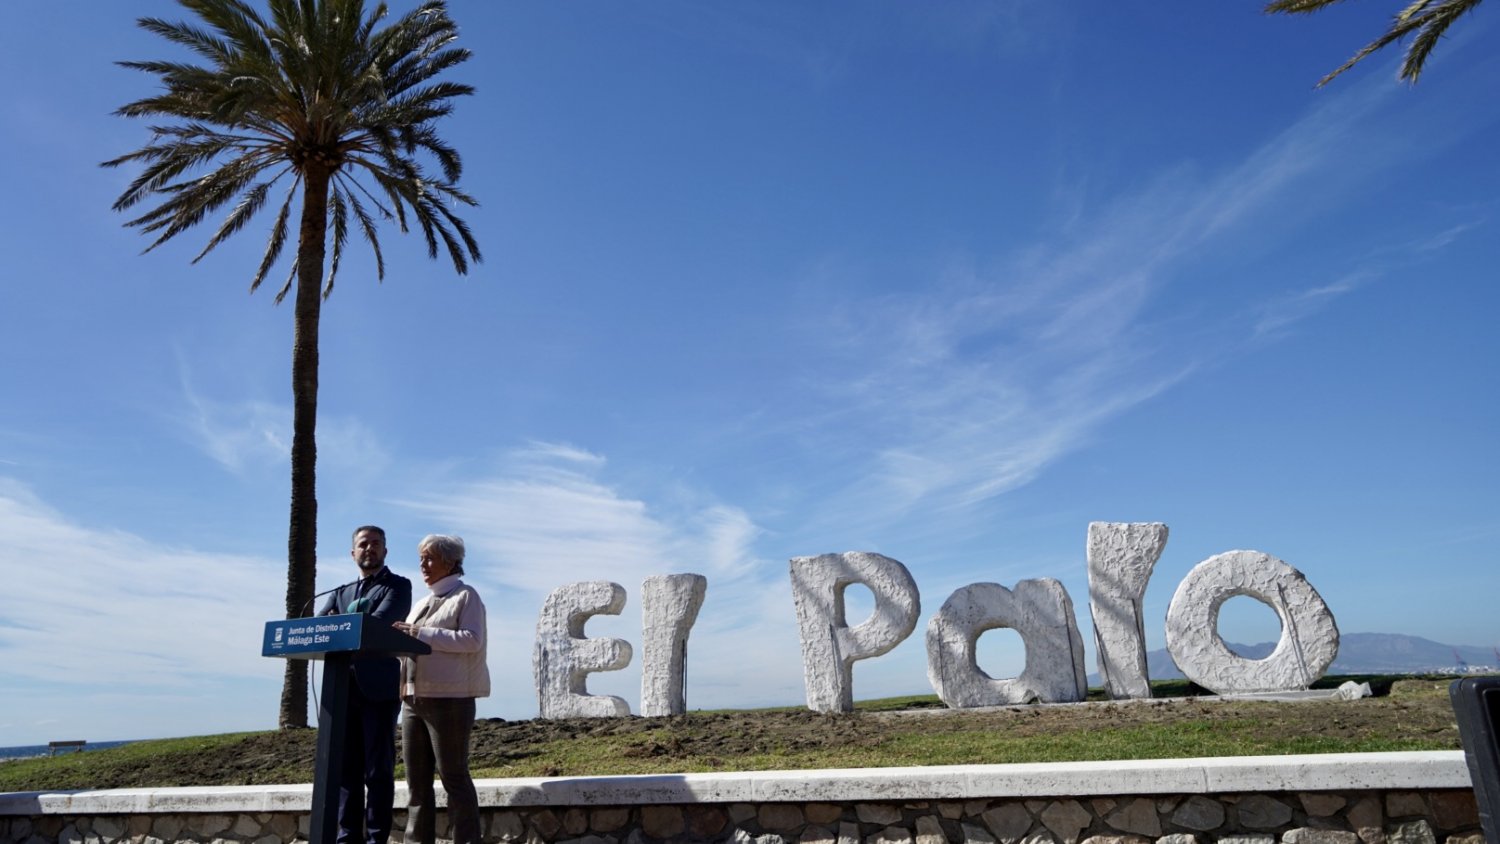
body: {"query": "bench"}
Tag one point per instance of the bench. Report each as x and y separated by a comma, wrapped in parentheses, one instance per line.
(54, 746)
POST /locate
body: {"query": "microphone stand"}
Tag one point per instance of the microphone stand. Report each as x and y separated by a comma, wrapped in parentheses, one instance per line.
(307, 606)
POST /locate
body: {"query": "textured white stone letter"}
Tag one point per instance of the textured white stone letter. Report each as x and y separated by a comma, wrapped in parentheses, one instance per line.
(1309, 638)
(563, 657)
(669, 606)
(830, 646)
(1121, 556)
(1041, 611)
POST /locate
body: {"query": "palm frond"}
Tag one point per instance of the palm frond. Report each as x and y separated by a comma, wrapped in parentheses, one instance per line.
(398, 191)
(278, 237)
(167, 162)
(460, 263)
(338, 219)
(1429, 19)
(426, 223)
(371, 235)
(424, 137)
(418, 69)
(248, 206)
(286, 286)
(1298, 6)
(359, 186)
(420, 106)
(236, 21)
(376, 15)
(199, 41)
(1436, 23)
(192, 201)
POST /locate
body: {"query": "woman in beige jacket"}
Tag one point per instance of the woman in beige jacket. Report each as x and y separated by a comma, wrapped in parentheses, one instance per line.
(438, 692)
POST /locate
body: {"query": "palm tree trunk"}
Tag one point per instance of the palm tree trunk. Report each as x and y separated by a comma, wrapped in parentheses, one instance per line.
(302, 535)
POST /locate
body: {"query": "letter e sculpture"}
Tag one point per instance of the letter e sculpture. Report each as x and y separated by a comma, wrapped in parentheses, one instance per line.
(563, 657)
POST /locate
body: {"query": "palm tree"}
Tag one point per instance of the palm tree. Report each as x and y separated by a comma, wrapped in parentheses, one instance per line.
(1429, 19)
(313, 95)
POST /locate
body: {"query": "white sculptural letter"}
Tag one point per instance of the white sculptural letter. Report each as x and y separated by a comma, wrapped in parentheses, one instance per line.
(1040, 611)
(669, 606)
(563, 657)
(1120, 558)
(830, 647)
(1309, 638)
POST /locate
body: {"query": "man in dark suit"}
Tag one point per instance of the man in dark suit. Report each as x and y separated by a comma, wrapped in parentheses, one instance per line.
(369, 763)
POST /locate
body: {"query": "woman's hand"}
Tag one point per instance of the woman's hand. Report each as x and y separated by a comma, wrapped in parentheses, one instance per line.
(403, 627)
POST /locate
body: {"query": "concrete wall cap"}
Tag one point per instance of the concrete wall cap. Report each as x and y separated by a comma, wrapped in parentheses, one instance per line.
(1423, 770)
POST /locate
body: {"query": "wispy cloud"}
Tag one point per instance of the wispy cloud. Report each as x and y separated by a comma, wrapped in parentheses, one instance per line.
(972, 387)
(538, 453)
(1293, 307)
(1275, 315)
(247, 436)
(546, 516)
(545, 510)
(239, 435)
(84, 610)
(1447, 237)
(825, 49)
(89, 609)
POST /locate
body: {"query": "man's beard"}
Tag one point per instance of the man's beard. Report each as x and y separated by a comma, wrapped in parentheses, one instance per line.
(371, 564)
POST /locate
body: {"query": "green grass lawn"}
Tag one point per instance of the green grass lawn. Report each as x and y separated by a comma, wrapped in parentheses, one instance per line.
(1407, 714)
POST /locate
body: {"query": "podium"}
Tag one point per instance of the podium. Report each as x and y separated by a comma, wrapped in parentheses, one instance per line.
(1476, 703)
(337, 640)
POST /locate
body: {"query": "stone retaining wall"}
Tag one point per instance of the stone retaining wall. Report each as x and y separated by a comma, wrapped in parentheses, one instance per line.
(1381, 799)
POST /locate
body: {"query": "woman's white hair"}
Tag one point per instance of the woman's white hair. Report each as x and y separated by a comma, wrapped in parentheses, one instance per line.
(450, 548)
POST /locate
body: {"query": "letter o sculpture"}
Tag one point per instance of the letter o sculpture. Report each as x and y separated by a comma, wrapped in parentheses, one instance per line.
(1309, 637)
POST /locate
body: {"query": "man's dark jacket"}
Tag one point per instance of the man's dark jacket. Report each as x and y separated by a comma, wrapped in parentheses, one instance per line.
(387, 596)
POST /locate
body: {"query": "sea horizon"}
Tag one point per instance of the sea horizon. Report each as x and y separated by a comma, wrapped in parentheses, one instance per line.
(31, 751)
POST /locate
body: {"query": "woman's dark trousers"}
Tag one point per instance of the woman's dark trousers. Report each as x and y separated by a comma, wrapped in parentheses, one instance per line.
(435, 734)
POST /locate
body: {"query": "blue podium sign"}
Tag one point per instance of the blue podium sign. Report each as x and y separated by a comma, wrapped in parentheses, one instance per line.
(311, 638)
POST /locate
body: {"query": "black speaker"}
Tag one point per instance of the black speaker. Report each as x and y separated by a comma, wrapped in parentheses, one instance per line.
(1476, 702)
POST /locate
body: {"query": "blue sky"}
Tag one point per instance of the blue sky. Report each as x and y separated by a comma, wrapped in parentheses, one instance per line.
(945, 281)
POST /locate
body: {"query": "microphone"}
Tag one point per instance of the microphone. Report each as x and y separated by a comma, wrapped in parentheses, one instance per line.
(307, 606)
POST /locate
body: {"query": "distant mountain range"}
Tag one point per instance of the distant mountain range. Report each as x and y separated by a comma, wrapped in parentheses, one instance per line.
(1359, 653)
